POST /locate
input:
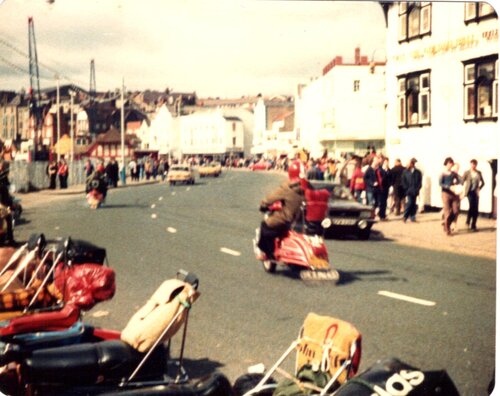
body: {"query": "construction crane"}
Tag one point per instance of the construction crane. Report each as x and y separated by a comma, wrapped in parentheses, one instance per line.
(92, 88)
(35, 108)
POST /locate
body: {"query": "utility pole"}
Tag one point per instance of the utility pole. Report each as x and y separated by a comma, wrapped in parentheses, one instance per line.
(35, 110)
(58, 121)
(72, 130)
(122, 123)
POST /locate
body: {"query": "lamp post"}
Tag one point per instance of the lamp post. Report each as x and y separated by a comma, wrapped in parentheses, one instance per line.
(72, 130)
(58, 121)
(122, 124)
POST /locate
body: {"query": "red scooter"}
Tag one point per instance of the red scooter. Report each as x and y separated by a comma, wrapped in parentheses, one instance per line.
(306, 253)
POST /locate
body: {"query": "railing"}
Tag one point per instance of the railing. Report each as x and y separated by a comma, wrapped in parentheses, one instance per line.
(31, 176)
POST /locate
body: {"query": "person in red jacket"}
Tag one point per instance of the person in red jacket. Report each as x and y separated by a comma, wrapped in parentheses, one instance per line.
(357, 181)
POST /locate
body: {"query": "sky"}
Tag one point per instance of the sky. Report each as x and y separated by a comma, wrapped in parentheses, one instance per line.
(216, 48)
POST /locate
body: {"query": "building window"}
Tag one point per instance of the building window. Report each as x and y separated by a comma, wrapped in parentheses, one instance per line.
(474, 12)
(414, 20)
(481, 89)
(356, 86)
(414, 96)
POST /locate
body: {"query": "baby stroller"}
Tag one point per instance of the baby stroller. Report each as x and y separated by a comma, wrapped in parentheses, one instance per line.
(328, 352)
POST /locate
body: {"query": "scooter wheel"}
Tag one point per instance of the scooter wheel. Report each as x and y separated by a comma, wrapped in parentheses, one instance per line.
(269, 266)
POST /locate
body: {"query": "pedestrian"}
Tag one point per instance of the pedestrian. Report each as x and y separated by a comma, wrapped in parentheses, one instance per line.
(376, 186)
(132, 166)
(411, 183)
(6, 203)
(450, 194)
(89, 168)
(62, 172)
(52, 174)
(4, 173)
(398, 190)
(357, 181)
(112, 172)
(473, 183)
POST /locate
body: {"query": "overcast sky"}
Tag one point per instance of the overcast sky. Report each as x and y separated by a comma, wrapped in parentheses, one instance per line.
(218, 48)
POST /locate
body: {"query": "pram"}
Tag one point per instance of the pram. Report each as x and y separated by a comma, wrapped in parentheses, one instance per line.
(327, 348)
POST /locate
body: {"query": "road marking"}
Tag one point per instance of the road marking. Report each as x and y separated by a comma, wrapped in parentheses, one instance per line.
(159, 199)
(173, 192)
(189, 188)
(172, 230)
(406, 298)
(154, 216)
(153, 206)
(230, 251)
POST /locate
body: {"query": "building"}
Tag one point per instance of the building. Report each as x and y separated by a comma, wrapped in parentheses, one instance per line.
(344, 109)
(442, 90)
(270, 116)
(210, 133)
(108, 145)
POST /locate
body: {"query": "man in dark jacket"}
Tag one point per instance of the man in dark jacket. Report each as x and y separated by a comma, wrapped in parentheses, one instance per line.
(376, 185)
(411, 181)
(396, 174)
(276, 225)
(7, 202)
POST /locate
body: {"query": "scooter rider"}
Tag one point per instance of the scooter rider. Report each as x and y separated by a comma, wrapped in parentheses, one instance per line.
(97, 181)
(291, 196)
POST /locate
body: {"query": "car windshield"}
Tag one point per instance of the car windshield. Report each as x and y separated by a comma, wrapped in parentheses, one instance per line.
(180, 168)
(341, 192)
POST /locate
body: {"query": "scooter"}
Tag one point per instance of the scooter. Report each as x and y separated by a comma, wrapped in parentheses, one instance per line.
(94, 199)
(306, 253)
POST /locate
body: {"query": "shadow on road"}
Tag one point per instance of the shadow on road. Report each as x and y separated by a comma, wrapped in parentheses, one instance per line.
(347, 277)
(200, 367)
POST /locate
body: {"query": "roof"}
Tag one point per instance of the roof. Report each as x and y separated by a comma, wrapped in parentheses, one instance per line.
(113, 135)
(232, 118)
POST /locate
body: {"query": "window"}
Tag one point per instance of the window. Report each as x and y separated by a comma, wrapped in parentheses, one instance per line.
(414, 96)
(414, 20)
(481, 89)
(356, 86)
(474, 12)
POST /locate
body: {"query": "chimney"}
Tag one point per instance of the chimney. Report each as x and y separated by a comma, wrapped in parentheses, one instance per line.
(338, 60)
(357, 55)
(364, 60)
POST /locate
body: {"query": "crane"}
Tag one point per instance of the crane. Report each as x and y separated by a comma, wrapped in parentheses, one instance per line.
(35, 108)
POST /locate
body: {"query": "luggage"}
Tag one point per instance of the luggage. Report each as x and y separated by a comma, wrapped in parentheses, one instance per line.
(393, 377)
(147, 324)
(316, 204)
(79, 252)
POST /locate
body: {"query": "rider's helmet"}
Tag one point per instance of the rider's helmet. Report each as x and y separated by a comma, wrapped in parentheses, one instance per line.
(296, 171)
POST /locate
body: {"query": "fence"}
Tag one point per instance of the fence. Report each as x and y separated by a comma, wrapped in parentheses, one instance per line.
(31, 176)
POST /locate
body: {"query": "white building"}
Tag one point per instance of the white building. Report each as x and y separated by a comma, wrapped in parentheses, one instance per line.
(344, 109)
(211, 133)
(442, 89)
(274, 132)
(161, 131)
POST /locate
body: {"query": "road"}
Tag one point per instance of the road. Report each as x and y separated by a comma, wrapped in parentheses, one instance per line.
(246, 316)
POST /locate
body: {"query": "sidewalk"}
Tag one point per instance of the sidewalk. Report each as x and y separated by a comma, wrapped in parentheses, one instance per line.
(428, 233)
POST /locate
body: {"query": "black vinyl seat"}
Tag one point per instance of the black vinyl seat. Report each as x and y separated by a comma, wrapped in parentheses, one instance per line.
(89, 363)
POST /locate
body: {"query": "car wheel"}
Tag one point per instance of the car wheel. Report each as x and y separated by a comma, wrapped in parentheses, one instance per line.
(364, 234)
(247, 382)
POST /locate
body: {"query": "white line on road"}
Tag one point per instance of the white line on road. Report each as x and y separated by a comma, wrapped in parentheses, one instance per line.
(189, 188)
(153, 216)
(173, 192)
(230, 251)
(406, 298)
(153, 206)
(159, 199)
(172, 230)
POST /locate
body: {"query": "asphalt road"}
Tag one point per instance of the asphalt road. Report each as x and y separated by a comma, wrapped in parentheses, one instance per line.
(246, 316)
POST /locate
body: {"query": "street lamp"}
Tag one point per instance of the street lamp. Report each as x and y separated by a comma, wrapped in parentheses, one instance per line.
(58, 121)
(72, 130)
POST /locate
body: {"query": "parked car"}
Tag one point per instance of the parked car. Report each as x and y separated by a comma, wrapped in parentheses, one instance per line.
(260, 165)
(181, 173)
(212, 169)
(347, 215)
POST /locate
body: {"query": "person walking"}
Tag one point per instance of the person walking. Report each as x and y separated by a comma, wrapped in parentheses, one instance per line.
(411, 183)
(62, 172)
(473, 183)
(376, 186)
(395, 176)
(89, 168)
(52, 174)
(449, 194)
(357, 181)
